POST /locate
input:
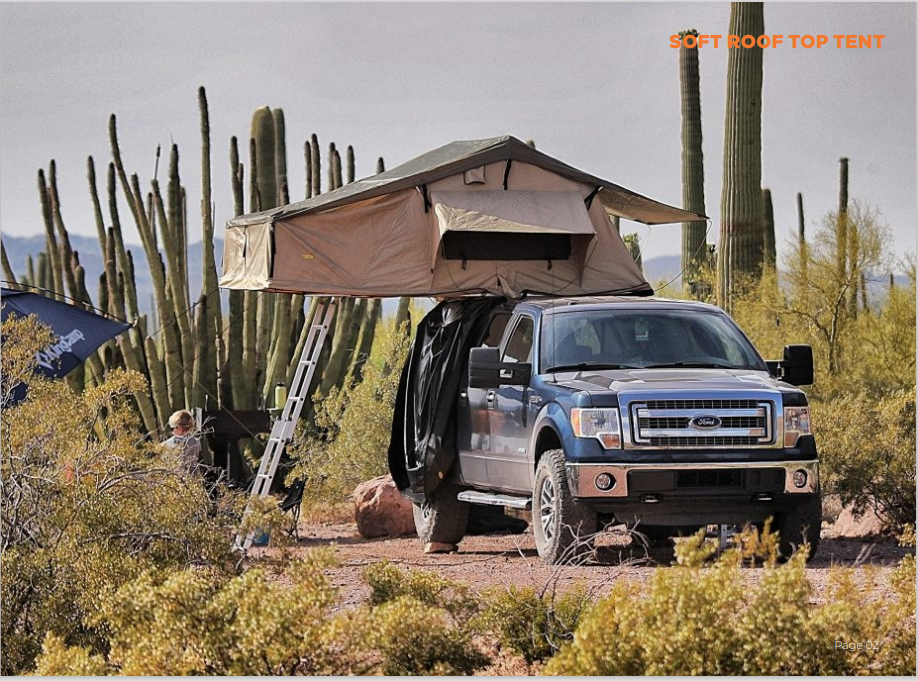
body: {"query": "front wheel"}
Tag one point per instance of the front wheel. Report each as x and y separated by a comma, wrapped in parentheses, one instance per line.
(800, 525)
(563, 528)
(441, 518)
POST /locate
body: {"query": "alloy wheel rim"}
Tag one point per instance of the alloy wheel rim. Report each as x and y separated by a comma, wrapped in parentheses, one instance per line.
(547, 505)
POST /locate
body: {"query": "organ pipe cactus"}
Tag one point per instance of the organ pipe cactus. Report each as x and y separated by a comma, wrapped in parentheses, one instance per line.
(54, 266)
(213, 322)
(741, 241)
(280, 157)
(8, 274)
(633, 243)
(351, 165)
(187, 362)
(693, 233)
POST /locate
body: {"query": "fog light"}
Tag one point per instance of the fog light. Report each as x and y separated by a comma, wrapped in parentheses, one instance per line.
(605, 482)
(799, 478)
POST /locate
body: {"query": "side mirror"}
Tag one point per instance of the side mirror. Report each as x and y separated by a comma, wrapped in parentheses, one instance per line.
(487, 371)
(797, 366)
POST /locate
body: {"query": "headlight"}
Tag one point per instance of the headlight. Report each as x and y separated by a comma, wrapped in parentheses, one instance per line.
(603, 424)
(796, 423)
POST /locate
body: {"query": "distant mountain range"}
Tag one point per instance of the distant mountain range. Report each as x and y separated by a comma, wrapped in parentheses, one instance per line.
(19, 248)
(659, 271)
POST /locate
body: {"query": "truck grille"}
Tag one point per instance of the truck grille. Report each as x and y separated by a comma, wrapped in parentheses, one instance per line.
(702, 423)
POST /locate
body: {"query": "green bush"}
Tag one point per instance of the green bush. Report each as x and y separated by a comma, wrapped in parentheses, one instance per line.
(867, 449)
(57, 659)
(533, 624)
(197, 621)
(87, 505)
(388, 583)
(416, 638)
(698, 618)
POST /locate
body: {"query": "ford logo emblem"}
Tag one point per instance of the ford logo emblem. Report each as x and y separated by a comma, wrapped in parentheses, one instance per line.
(705, 422)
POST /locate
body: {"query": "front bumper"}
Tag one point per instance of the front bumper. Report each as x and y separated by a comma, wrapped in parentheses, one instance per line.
(582, 476)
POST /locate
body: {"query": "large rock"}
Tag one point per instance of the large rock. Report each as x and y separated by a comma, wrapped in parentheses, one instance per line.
(381, 510)
(850, 526)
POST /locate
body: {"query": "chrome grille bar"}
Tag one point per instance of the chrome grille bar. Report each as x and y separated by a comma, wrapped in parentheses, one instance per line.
(669, 423)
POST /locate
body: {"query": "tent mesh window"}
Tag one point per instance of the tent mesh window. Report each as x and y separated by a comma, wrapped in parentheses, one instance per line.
(505, 246)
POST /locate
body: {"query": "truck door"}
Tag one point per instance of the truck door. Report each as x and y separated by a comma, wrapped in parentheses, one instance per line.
(472, 425)
(508, 462)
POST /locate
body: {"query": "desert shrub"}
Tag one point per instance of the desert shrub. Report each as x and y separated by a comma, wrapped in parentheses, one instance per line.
(388, 583)
(423, 622)
(58, 659)
(867, 447)
(531, 623)
(87, 505)
(416, 638)
(349, 441)
(198, 621)
(705, 618)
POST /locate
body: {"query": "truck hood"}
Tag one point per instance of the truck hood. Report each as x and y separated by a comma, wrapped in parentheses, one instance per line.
(657, 380)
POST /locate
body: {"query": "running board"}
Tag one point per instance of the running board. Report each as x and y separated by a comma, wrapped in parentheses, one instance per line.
(488, 499)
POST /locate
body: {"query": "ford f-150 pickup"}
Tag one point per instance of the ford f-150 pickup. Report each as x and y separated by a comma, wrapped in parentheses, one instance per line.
(654, 413)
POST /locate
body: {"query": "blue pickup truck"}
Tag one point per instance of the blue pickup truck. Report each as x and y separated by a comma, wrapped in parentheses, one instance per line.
(654, 413)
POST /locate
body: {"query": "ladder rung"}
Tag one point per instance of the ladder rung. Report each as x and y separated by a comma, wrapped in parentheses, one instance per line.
(282, 430)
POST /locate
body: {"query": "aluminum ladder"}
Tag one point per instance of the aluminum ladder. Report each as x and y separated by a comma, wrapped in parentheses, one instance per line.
(284, 426)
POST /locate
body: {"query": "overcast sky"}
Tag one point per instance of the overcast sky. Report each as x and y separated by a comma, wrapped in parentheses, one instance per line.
(595, 85)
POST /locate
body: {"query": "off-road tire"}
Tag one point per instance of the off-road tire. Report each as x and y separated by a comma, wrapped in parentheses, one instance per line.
(562, 527)
(800, 525)
(442, 518)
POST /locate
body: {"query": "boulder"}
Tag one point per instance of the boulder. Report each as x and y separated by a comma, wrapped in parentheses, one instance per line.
(850, 526)
(381, 510)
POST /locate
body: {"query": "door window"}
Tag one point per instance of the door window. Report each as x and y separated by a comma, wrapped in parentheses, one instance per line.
(519, 346)
(496, 330)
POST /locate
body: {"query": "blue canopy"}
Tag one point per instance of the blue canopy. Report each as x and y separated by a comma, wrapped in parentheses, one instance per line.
(78, 333)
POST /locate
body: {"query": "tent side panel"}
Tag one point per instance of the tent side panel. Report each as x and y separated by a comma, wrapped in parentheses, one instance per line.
(247, 254)
(378, 247)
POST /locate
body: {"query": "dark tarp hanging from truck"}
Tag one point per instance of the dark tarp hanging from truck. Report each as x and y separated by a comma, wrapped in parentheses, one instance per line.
(422, 449)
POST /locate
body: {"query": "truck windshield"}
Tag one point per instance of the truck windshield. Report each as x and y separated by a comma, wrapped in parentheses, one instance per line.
(640, 339)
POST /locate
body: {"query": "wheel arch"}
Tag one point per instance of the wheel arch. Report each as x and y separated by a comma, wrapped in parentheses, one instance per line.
(546, 438)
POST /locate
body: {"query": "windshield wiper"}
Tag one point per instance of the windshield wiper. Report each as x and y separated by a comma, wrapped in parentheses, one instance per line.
(587, 365)
(692, 365)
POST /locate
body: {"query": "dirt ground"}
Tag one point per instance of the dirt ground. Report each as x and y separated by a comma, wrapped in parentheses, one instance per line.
(503, 559)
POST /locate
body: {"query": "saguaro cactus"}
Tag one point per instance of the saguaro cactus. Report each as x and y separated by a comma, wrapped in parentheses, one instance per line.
(693, 233)
(768, 226)
(847, 244)
(801, 234)
(841, 243)
(741, 242)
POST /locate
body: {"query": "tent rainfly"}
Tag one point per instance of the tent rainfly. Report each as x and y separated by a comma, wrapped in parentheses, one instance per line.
(491, 216)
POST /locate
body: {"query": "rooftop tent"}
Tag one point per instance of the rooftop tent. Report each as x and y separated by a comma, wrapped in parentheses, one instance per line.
(486, 216)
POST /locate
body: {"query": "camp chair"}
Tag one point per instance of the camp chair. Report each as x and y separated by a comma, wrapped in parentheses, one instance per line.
(293, 503)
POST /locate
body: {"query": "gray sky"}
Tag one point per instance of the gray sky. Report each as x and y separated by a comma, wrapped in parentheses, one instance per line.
(596, 85)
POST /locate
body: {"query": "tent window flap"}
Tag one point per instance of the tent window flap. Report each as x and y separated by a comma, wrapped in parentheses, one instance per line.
(510, 225)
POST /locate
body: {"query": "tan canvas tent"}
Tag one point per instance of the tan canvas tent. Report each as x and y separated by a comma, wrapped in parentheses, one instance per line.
(484, 216)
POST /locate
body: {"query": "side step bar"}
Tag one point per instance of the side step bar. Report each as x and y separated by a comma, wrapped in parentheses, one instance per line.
(488, 499)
